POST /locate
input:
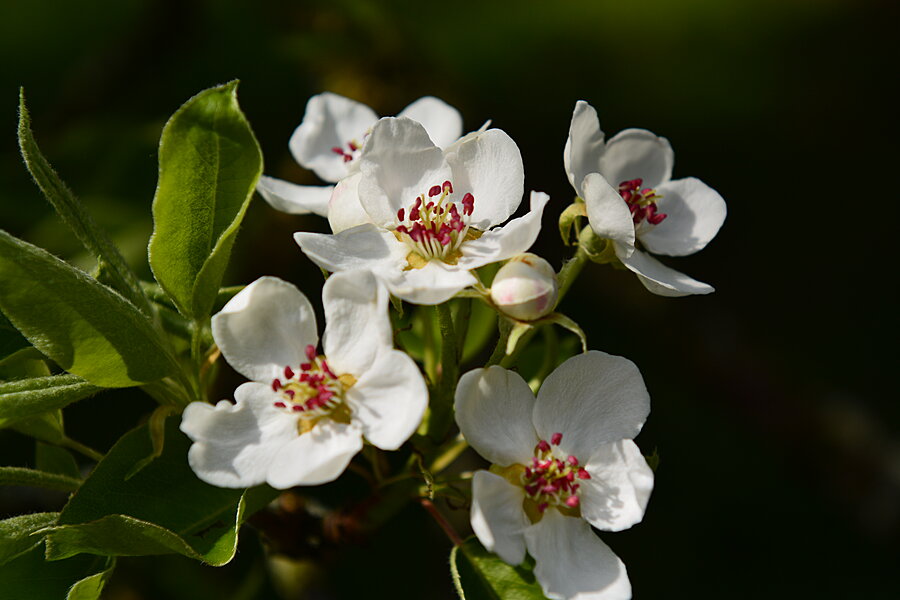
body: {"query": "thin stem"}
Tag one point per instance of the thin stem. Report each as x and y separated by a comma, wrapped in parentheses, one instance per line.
(81, 449)
(443, 522)
(450, 453)
(570, 271)
(442, 402)
(463, 315)
(504, 326)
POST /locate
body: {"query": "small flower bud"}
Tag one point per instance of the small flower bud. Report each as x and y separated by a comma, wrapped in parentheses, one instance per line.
(525, 288)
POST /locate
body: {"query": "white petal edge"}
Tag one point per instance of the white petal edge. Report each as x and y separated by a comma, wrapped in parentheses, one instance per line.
(442, 122)
(637, 153)
(434, 283)
(344, 208)
(694, 214)
(592, 399)
(572, 563)
(330, 121)
(660, 279)
(497, 517)
(398, 163)
(362, 247)
(389, 399)
(265, 328)
(608, 213)
(234, 444)
(295, 199)
(489, 166)
(506, 241)
(316, 457)
(357, 325)
(494, 409)
(584, 146)
(616, 495)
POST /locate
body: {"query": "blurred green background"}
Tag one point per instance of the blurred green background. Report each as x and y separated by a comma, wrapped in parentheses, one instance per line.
(774, 405)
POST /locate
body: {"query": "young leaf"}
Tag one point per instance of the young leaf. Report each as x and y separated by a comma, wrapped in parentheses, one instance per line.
(92, 586)
(481, 575)
(209, 163)
(34, 478)
(25, 398)
(84, 326)
(76, 217)
(31, 576)
(16, 534)
(162, 508)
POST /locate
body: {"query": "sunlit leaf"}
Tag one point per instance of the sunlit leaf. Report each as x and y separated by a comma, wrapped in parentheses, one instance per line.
(481, 575)
(17, 535)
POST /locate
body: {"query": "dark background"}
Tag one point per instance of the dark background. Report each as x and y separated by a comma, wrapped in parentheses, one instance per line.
(774, 406)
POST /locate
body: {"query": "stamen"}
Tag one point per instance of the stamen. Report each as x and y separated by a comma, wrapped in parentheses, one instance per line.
(641, 202)
(435, 229)
(550, 481)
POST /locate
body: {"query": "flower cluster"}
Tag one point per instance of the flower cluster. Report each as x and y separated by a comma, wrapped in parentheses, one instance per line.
(415, 209)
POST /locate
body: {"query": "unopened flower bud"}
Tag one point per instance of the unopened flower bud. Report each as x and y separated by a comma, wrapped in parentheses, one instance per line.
(525, 288)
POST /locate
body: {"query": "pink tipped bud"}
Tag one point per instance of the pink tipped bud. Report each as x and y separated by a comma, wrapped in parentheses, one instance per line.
(434, 191)
(288, 373)
(526, 289)
(400, 214)
(572, 501)
(448, 187)
(555, 439)
(311, 352)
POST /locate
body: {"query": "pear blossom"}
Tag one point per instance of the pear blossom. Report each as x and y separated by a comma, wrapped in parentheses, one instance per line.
(330, 138)
(304, 414)
(525, 288)
(563, 462)
(631, 199)
(421, 218)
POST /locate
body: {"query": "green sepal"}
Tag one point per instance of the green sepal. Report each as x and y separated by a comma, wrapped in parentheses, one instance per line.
(110, 262)
(598, 249)
(569, 219)
(209, 163)
(84, 326)
(481, 575)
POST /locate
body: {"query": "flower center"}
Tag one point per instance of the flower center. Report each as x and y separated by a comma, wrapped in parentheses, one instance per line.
(313, 390)
(352, 152)
(435, 227)
(642, 202)
(550, 481)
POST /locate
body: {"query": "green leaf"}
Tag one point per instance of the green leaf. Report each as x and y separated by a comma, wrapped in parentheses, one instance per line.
(30, 576)
(17, 534)
(76, 217)
(31, 397)
(35, 478)
(11, 340)
(22, 364)
(84, 326)
(92, 586)
(209, 163)
(163, 508)
(46, 427)
(53, 459)
(481, 575)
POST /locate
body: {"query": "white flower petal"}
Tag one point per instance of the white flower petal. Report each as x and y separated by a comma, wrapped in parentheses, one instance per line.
(357, 325)
(295, 199)
(572, 563)
(494, 409)
(584, 146)
(399, 163)
(616, 495)
(504, 242)
(389, 400)
(659, 278)
(316, 457)
(592, 399)
(434, 283)
(265, 328)
(637, 153)
(362, 247)
(497, 517)
(344, 208)
(234, 444)
(694, 213)
(608, 213)
(330, 121)
(442, 122)
(489, 166)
